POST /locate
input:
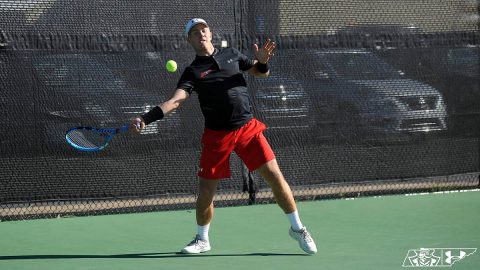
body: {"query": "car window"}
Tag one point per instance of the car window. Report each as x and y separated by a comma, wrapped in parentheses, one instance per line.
(303, 63)
(463, 57)
(355, 66)
(464, 61)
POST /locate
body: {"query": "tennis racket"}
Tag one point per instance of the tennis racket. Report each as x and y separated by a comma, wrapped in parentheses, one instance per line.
(92, 139)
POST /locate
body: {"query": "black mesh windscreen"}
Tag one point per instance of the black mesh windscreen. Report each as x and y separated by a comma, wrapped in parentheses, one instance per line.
(364, 97)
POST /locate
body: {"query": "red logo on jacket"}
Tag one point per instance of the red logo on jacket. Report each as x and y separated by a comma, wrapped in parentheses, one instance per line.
(205, 73)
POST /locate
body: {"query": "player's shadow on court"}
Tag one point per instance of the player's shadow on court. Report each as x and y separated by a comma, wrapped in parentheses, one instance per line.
(140, 256)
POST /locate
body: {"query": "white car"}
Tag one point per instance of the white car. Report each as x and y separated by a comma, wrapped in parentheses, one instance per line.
(356, 94)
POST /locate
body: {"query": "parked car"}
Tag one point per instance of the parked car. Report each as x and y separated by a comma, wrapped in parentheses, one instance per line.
(354, 93)
(281, 102)
(456, 71)
(75, 89)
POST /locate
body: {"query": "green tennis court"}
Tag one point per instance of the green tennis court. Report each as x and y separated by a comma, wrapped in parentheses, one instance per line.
(367, 233)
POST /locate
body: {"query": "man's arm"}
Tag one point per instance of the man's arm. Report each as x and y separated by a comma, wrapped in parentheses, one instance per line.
(160, 111)
(174, 102)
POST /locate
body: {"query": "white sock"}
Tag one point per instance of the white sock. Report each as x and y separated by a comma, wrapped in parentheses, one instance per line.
(203, 231)
(295, 221)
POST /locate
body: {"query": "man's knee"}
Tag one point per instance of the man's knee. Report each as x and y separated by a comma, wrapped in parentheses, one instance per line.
(271, 167)
(207, 187)
(270, 171)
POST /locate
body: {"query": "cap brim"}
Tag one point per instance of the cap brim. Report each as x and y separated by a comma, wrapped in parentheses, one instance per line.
(193, 25)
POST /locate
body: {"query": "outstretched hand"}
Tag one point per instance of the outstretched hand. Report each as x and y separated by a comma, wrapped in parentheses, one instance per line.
(265, 53)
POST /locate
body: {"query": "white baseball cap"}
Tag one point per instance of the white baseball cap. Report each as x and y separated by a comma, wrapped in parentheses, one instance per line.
(191, 23)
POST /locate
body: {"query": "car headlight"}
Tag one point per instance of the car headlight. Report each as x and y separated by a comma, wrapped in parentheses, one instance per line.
(383, 104)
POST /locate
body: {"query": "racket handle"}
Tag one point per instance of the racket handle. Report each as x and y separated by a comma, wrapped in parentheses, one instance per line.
(124, 128)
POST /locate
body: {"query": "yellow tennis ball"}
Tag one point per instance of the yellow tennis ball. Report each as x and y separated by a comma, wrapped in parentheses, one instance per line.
(171, 66)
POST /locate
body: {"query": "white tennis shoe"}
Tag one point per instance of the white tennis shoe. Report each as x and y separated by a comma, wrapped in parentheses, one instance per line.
(197, 246)
(304, 239)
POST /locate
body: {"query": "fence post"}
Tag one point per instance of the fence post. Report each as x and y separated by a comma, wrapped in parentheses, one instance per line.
(249, 184)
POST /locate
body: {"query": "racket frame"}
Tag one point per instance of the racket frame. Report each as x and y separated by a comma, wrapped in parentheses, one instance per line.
(108, 134)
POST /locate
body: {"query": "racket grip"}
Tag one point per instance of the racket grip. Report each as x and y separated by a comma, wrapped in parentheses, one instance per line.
(124, 128)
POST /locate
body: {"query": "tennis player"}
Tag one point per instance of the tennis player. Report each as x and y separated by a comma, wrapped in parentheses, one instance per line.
(216, 76)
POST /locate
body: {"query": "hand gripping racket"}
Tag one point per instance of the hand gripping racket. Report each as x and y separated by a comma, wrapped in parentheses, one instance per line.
(92, 139)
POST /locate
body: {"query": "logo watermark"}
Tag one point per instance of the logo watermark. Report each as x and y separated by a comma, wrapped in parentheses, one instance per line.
(436, 257)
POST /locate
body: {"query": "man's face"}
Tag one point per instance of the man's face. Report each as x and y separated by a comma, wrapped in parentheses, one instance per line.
(200, 37)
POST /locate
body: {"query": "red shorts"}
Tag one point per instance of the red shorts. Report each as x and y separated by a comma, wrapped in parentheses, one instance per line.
(248, 142)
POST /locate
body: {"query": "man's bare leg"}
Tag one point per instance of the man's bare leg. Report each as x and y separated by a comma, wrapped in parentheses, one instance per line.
(270, 171)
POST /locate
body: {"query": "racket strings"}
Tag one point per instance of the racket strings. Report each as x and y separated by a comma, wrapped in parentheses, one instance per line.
(87, 139)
